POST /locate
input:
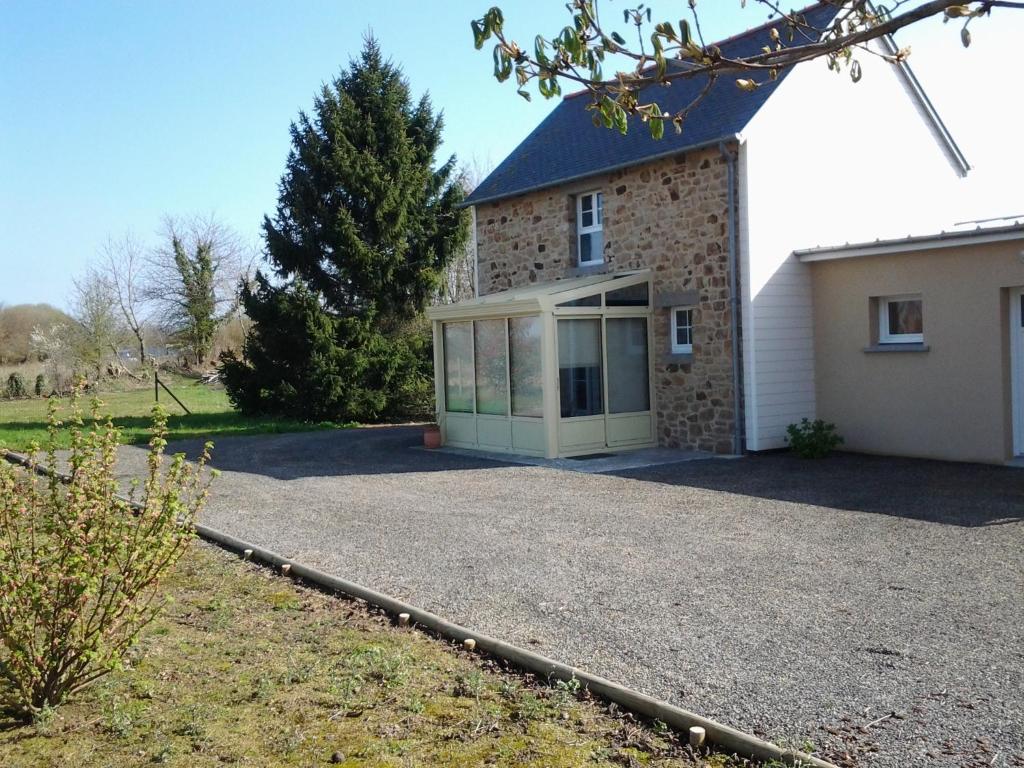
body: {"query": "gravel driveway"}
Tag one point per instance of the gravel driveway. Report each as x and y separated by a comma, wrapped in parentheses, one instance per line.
(802, 601)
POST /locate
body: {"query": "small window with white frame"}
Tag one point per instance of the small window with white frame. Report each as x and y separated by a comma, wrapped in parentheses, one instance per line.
(589, 228)
(901, 319)
(681, 330)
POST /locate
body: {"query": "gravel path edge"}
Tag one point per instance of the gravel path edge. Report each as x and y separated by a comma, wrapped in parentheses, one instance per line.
(719, 734)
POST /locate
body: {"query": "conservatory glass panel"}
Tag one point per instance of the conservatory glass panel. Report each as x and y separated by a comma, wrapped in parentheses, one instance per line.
(586, 301)
(628, 381)
(458, 367)
(524, 334)
(630, 296)
(579, 368)
(491, 376)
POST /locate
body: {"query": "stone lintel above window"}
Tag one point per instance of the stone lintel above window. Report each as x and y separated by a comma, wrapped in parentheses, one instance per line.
(664, 299)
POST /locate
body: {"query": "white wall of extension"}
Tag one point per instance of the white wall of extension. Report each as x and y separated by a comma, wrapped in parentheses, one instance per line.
(824, 162)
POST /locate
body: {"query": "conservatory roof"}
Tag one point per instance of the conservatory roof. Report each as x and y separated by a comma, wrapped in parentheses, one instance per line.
(539, 297)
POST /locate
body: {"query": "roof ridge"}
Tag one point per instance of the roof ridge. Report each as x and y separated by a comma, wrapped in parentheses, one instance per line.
(806, 9)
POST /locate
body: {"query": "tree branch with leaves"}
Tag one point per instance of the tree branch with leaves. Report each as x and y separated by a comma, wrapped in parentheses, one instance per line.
(668, 51)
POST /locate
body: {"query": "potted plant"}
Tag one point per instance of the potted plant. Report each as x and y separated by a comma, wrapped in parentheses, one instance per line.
(432, 436)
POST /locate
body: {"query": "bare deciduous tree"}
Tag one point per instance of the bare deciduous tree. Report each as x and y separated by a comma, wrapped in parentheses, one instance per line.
(123, 262)
(459, 278)
(98, 327)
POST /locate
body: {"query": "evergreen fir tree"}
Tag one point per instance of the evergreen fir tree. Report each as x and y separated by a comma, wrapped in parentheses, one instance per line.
(364, 227)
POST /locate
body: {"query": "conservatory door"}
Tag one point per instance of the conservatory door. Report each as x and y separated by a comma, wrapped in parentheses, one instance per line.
(604, 383)
(629, 418)
(581, 427)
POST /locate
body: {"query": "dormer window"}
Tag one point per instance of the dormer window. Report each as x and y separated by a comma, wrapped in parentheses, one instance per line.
(589, 226)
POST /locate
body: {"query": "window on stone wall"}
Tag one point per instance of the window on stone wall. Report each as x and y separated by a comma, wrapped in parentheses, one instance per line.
(589, 228)
(681, 330)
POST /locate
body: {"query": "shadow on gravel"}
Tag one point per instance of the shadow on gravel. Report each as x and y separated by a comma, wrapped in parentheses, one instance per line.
(362, 451)
(933, 491)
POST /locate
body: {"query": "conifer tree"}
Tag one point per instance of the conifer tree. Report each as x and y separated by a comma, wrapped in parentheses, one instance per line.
(364, 228)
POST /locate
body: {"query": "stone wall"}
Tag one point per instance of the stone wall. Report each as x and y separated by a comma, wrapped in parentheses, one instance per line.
(670, 215)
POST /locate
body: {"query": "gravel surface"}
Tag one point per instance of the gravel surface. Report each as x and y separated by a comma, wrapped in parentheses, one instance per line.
(802, 601)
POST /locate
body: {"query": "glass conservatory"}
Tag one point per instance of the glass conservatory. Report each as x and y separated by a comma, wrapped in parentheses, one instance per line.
(558, 369)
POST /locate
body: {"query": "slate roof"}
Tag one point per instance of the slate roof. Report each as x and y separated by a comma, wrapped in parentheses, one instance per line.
(567, 145)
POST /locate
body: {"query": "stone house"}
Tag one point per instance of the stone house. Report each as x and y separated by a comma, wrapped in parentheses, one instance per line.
(709, 221)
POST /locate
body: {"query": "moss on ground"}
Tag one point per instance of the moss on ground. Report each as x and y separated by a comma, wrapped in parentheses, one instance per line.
(247, 668)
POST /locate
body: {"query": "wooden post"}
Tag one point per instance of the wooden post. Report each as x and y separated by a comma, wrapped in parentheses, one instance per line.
(157, 384)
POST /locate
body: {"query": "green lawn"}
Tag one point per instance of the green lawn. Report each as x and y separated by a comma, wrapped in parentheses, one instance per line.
(248, 668)
(24, 421)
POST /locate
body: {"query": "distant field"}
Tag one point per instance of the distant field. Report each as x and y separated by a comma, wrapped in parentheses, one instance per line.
(24, 421)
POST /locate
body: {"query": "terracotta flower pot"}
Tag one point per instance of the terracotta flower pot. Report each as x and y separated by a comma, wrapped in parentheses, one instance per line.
(432, 436)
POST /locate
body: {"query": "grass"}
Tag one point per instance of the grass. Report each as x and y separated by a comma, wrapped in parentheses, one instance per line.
(24, 421)
(248, 668)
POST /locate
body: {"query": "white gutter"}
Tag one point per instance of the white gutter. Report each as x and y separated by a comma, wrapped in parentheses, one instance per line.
(912, 244)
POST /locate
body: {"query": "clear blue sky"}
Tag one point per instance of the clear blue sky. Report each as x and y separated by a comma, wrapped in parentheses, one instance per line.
(113, 114)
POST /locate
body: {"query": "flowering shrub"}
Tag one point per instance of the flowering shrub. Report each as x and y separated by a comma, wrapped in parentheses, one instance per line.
(80, 565)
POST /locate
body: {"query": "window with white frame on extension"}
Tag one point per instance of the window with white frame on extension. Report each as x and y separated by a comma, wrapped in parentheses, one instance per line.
(681, 330)
(900, 320)
(589, 228)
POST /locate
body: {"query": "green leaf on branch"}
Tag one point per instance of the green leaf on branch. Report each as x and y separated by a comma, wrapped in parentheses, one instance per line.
(502, 64)
(657, 128)
(619, 118)
(540, 51)
(684, 32)
(479, 34)
(493, 19)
